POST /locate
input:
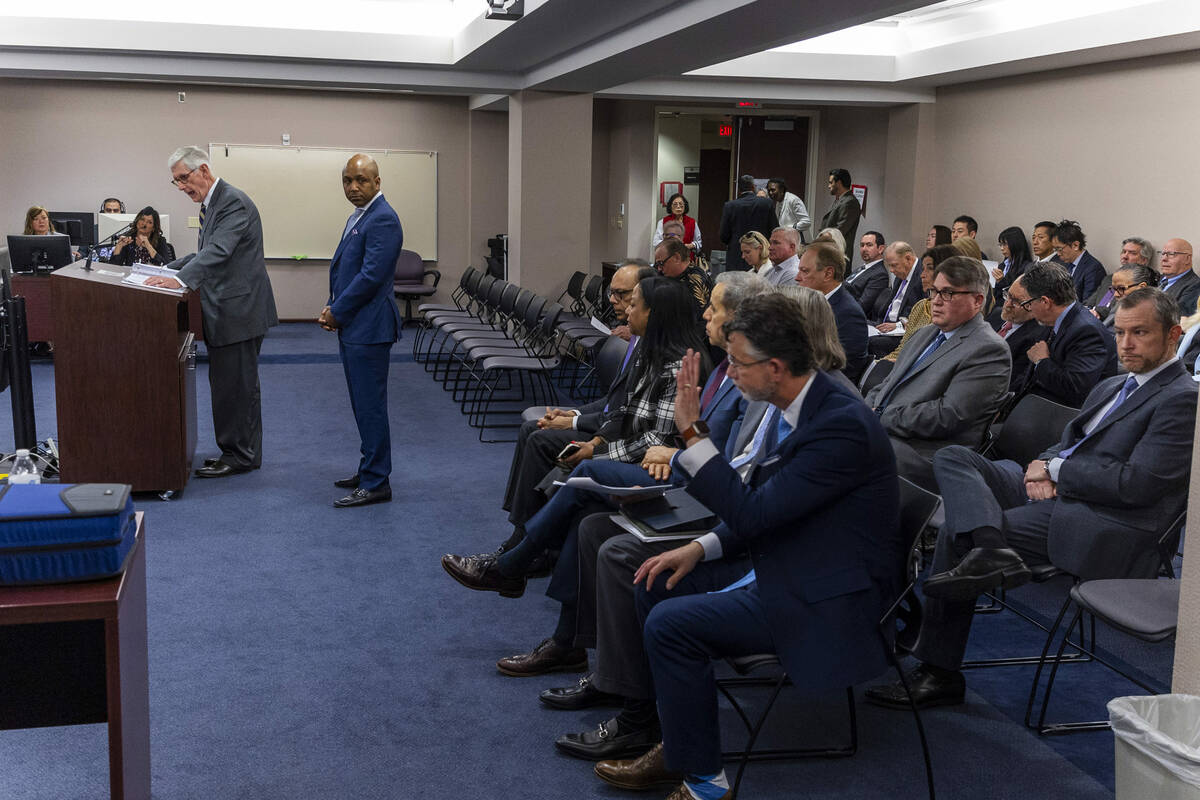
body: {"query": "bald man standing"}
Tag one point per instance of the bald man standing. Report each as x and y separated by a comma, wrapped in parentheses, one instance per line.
(363, 311)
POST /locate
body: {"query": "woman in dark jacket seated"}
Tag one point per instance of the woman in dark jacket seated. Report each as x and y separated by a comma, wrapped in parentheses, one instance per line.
(146, 246)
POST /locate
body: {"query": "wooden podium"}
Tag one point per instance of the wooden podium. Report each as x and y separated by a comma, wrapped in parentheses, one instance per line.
(125, 379)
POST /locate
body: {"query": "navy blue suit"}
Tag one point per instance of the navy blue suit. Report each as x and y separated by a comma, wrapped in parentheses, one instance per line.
(360, 299)
(852, 331)
(1082, 353)
(1087, 274)
(819, 517)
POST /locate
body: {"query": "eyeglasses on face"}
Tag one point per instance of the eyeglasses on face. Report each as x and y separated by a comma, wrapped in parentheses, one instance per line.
(182, 179)
(1119, 291)
(1025, 304)
(735, 364)
(946, 294)
(620, 294)
(1172, 253)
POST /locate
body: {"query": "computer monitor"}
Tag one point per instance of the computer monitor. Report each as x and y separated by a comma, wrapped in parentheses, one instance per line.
(39, 253)
(79, 225)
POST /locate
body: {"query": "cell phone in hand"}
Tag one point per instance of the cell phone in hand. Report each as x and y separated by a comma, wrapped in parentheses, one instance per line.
(571, 449)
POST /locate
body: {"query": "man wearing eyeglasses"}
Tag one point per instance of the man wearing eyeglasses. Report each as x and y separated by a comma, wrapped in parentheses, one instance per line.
(1179, 280)
(1020, 331)
(1077, 354)
(230, 276)
(1070, 251)
(951, 376)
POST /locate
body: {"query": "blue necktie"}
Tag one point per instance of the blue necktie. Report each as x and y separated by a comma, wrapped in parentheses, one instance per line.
(1126, 389)
(784, 428)
(358, 212)
(756, 446)
(937, 342)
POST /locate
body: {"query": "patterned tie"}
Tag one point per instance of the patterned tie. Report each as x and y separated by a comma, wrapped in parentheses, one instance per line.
(1004, 329)
(1126, 389)
(1164, 282)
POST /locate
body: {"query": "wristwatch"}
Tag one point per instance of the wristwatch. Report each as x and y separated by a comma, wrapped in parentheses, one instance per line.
(1046, 469)
(697, 429)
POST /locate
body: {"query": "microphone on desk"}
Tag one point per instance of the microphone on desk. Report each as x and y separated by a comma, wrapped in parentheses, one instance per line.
(118, 234)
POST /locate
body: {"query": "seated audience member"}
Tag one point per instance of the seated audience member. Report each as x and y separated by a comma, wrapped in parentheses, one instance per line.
(1179, 280)
(822, 268)
(1114, 480)
(755, 251)
(1041, 242)
(608, 559)
(1077, 354)
(112, 205)
(1014, 249)
(834, 236)
(1069, 250)
(37, 222)
(658, 312)
(147, 245)
(873, 279)
(783, 244)
(671, 259)
(938, 234)
(1125, 280)
(895, 306)
(540, 441)
(963, 226)
(830, 471)
(1020, 331)
(789, 209)
(1135, 251)
(678, 207)
(966, 246)
(919, 316)
(747, 212)
(951, 377)
(721, 407)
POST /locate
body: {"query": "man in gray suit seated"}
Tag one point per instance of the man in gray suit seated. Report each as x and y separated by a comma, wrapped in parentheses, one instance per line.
(1115, 480)
(951, 375)
(230, 276)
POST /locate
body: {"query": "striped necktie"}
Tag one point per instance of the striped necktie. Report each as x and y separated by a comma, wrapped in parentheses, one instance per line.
(203, 211)
(1127, 389)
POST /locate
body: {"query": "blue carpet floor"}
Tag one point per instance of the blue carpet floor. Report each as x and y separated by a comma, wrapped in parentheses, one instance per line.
(298, 651)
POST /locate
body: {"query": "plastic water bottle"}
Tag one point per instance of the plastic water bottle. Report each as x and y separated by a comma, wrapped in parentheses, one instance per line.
(24, 470)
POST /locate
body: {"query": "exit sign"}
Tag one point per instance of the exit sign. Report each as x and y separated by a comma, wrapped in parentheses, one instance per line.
(725, 130)
(747, 104)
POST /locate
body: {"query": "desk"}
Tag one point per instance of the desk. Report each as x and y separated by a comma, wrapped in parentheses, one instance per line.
(75, 654)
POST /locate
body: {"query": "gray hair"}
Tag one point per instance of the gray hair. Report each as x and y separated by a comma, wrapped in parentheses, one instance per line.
(967, 273)
(902, 249)
(1146, 248)
(1139, 273)
(791, 234)
(820, 326)
(739, 286)
(833, 235)
(191, 156)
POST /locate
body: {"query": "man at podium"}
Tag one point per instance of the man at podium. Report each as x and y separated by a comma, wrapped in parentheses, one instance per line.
(230, 276)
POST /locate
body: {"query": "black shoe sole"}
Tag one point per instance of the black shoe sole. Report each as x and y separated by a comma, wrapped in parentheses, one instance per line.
(613, 754)
(502, 592)
(967, 588)
(903, 705)
(580, 666)
(594, 701)
(370, 502)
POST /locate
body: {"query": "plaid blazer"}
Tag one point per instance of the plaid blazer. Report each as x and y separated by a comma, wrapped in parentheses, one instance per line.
(647, 418)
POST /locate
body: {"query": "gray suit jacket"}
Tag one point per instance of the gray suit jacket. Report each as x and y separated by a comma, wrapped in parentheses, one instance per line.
(228, 271)
(844, 216)
(951, 397)
(1126, 481)
(1185, 291)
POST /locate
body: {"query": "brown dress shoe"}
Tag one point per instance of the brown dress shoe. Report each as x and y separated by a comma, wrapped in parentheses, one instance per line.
(638, 774)
(549, 656)
(681, 793)
(481, 573)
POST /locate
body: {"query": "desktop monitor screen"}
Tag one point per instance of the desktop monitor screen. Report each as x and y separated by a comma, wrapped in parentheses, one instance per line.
(39, 253)
(79, 225)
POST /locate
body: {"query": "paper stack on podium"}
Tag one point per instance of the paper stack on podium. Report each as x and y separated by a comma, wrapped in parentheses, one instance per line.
(139, 273)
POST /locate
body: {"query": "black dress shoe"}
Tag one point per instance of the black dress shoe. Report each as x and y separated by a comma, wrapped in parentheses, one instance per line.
(580, 696)
(481, 574)
(211, 462)
(347, 483)
(608, 742)
(928, 689)
(981, 570)
(365, 497)
(221, 470)
(548, 656)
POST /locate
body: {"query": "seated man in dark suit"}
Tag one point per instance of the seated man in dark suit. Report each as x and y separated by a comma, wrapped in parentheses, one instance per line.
(1117, 477)
(1078, 353)
(951, 376)
(873, 279)
(1019, 331)
(814, 599)
(540, 441)
(891, 308)
(1126, 279)
(1178, 278)
(556, 524)
(1086, 270)
(821, 268)
(748, 212)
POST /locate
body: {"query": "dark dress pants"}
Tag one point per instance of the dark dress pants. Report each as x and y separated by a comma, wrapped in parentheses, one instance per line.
(977, 493)
(683, 635)
(533, 457)
(366, 368)
(236, 401)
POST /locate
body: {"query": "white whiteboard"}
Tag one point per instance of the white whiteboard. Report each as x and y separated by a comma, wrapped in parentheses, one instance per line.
(298, 191)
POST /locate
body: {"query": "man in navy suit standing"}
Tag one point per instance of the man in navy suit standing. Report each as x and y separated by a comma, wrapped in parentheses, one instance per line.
(815, 599)
(362, 310)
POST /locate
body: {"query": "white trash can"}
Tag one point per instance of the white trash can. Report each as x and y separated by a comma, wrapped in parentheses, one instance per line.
(1158, 746)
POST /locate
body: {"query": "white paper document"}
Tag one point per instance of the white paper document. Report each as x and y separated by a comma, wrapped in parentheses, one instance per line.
(600, 326)
(587, 484)
(141, 272)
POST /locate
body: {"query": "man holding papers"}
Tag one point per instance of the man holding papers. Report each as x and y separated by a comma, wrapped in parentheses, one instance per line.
(230, 276)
